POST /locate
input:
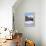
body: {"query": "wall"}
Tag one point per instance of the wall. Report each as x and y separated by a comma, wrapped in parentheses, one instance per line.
(19, 11)
(43, 22)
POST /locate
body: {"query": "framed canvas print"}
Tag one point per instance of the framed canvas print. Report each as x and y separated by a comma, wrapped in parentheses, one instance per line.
(29, 19)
